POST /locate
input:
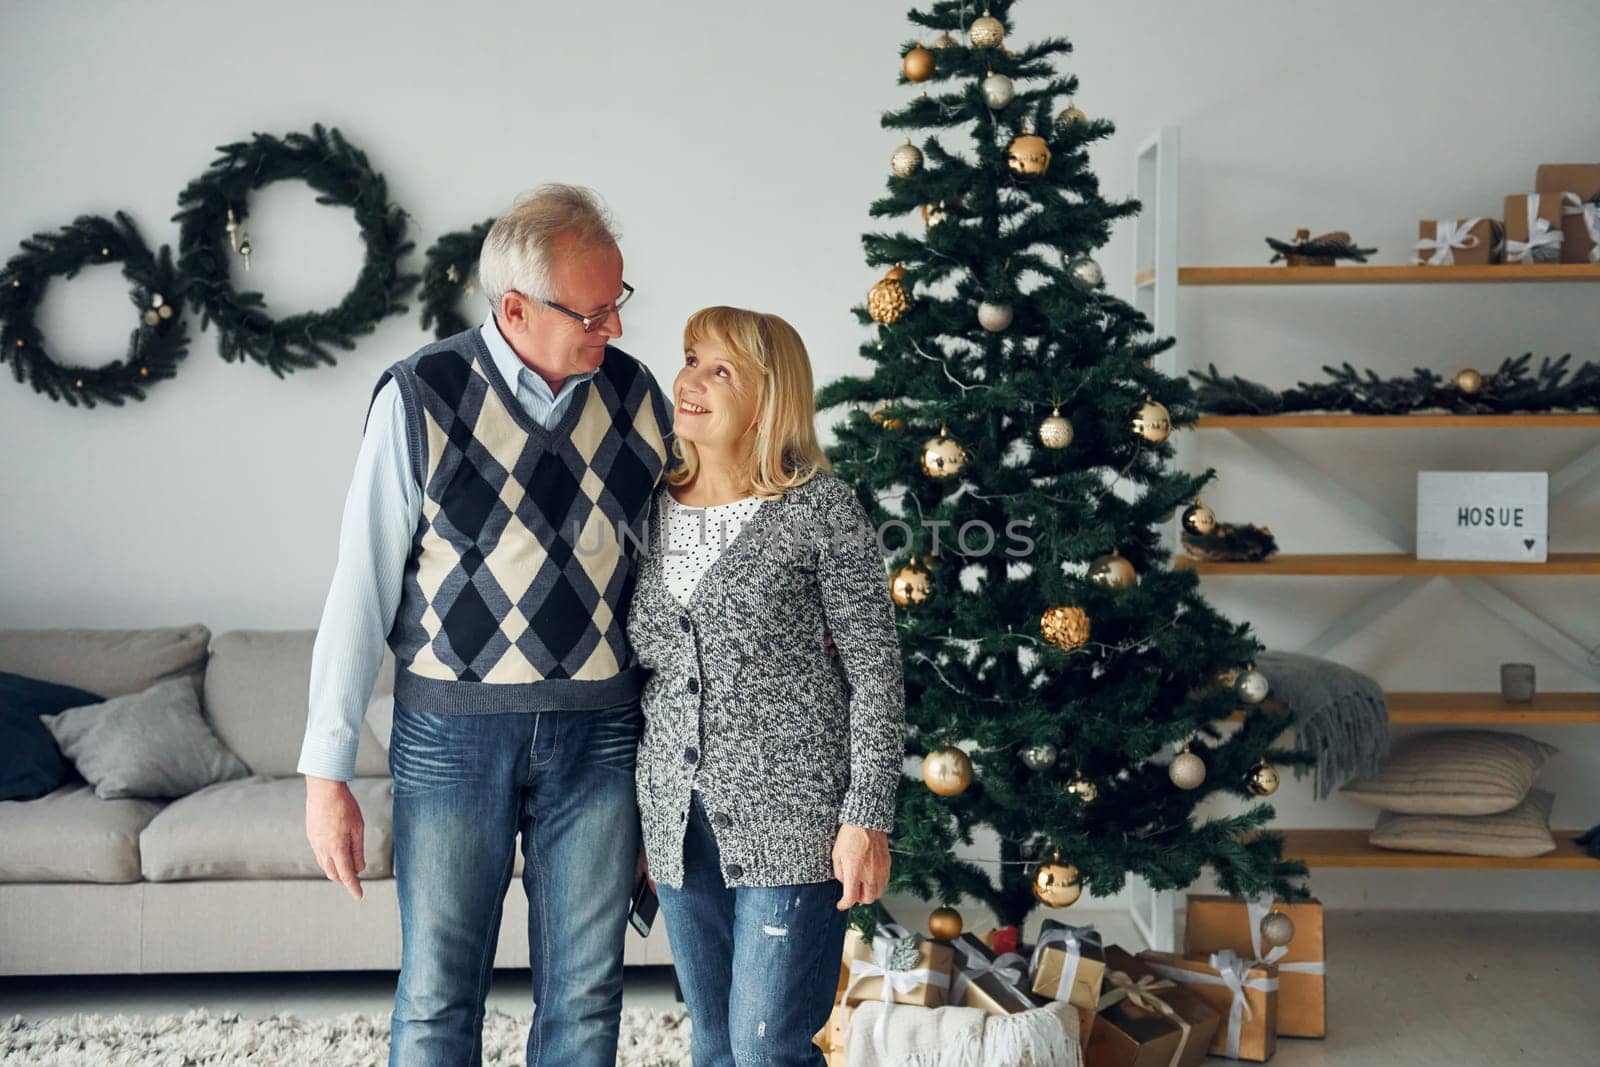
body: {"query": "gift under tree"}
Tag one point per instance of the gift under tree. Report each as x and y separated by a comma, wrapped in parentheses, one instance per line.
(1072, 695)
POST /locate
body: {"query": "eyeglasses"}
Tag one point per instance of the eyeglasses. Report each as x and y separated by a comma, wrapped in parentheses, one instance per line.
(592, 322)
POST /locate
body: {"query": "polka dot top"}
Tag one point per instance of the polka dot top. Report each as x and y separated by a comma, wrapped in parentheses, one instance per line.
(696, 537)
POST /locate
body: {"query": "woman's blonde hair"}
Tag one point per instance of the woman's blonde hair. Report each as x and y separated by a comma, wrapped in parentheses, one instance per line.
(785, 453)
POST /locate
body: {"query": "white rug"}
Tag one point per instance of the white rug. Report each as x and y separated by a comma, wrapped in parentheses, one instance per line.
(649, 1039)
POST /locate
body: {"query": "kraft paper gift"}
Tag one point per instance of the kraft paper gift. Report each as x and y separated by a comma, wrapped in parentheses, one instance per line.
(1219, 922)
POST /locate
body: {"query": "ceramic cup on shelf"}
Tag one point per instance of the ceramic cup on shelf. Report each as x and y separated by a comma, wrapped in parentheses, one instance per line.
(1516, 682)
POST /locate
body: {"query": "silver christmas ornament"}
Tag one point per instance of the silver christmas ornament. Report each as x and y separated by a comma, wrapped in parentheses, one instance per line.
(1187, 770)
(906, 161)
(1085, 273)
(1039, 757)
(994, 317)
(998, 91)
(1276, 929)
(1252, 686)
(1055, 431)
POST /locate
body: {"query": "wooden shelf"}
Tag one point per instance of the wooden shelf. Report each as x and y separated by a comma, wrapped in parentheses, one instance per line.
(1356, 274)
(1349, 848)
(1393, 565)
(1483, 709)
(1570, 420)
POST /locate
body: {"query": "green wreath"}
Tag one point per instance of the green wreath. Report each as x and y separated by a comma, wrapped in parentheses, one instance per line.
(446, 274)
(218, 199)
(159, 342)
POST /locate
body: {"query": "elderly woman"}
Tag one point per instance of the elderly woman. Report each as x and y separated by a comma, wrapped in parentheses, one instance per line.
(769, 763)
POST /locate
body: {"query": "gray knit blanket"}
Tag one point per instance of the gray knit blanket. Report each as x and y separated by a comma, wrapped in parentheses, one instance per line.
(1340, 715)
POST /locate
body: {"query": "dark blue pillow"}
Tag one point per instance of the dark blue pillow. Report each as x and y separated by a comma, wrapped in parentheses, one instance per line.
(30, 762)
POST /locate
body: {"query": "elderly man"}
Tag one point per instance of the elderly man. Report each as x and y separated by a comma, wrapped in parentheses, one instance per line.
(484, 538)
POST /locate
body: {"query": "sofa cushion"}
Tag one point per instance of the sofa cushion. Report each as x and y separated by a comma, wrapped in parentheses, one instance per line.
(71, 835)
(1454, 772)
(256, 828)
(256, 694)
(31, 765)
(1522, 831)
(111, 662)
(151, 744)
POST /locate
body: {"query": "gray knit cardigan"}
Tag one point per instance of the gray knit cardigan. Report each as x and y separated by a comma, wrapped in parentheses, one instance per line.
(744, 703)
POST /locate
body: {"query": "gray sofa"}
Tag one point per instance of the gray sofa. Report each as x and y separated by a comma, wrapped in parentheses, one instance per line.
(222, 879)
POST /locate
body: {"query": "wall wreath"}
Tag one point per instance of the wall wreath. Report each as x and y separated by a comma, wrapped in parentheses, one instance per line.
(212, 212)
(159, 341)
(447, 274)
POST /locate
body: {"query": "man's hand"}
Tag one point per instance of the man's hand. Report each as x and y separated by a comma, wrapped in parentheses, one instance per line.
(336, 831)
(861, 863)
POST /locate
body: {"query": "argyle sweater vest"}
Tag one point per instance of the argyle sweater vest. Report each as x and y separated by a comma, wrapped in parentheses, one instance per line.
(521, 567)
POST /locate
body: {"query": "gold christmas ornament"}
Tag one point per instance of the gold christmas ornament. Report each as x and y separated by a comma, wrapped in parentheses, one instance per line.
(1263, 780)
(1080, 787)
(1276, 929)
(1153, 422)
(1187, 770)
(1055, 884)
(1113, 572)
(152, 317)
(1252, 686)
(906, 161)
(887, 300)
(918, 64)
(1199, 519)
(944, 40)
(1065, 627)
(942, 456)
(986, 31)
(945, 924)
(1028, 155)
(994, 317)
(1055, 431)
(1228, 678)
(947, 771)
(1468, 380)
(933, 214)
(1070, 114)
(910, 585)
(884, 416)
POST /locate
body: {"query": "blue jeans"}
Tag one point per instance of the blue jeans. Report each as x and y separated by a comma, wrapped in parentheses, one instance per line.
(464, 786)
(759, 966)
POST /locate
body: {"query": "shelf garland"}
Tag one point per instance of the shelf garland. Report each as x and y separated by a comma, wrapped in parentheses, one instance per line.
(159, 340)
(215, 205)
(447, 276)
(1513, 388)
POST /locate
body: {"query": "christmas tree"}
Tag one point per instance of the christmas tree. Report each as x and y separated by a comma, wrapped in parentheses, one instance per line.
(1013, 435)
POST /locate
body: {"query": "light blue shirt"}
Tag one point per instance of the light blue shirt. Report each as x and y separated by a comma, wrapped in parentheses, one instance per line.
(381, 512)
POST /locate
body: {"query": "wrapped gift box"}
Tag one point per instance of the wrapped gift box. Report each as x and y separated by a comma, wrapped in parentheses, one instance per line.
(1068, 964)
(995, 982)
(831, 1038)
(1458, 242)
(1245, 995)
(1577, 184)
(1533, 228)
(1146, 1020)
(900, 970)
(1219, 922)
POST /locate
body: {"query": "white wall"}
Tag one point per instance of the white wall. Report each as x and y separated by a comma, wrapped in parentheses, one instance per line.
(739, 145)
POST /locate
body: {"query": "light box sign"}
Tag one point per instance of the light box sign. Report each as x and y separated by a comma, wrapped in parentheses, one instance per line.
(1483, 515)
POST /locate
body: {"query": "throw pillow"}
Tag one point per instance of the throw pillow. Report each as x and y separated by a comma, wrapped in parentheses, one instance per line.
(30, 763)
(153, 744)
(1454, 772)
(1522, 831)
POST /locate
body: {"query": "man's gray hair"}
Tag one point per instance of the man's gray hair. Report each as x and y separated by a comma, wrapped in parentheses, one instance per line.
(516, 252)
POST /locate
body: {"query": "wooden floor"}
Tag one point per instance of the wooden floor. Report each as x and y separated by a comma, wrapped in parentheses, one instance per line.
(1405, 989)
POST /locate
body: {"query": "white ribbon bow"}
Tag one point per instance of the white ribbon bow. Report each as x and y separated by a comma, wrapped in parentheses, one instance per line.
(1068, 937)
(1572, 205)
(1142, 994)
(1258, 909)
(1540, 235)
(893, 981)
(1448, 235)
(973, 965)
(1233, 973)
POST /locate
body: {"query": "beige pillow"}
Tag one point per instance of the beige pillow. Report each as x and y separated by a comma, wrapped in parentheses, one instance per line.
(1454, 772)
(1522, 831)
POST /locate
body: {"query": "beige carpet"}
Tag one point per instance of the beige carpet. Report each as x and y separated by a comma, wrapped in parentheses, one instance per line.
(649, 1039)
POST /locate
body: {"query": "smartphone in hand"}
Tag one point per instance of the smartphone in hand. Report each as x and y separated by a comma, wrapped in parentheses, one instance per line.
(642, 908)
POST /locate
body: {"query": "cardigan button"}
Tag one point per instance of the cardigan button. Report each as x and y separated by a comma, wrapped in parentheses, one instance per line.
(691, 755)
(734, 870)
(693, 685)
(684, 624)
(721, 821)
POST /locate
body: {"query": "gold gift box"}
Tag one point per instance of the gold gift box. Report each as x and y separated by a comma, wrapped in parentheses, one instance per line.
(1258, 1023)
(989, 991)
(1219, 922)
(1487, 250)
(831, 1038)
(1583, 181)
(1549, 210)
(1052, 960)
(932, 957)
(1128, 1034)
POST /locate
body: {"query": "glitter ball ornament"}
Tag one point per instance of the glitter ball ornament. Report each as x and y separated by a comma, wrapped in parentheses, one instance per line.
(1039, 757)
(910, 585)
(1277, 929)
(1187, 770)
(1199, 519)
(1080, 787)
(1071, 114)
(1113, 572)
(986, 31)
(1065, 627)
(906, 161)
(944, 924)
(1085, 273)
(1055, 431)
(942, 456)
(1252, 686)
(1152, 422)
(1055, 884)
(1263, 780)
(887, 300)
(998, 91)
(918, 64)
(994, 317)
(1469, 381)
(944, 40)
(947, 771)
(1028, 155)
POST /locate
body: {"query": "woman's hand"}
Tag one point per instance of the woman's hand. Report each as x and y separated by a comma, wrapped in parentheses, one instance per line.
(861, 863)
